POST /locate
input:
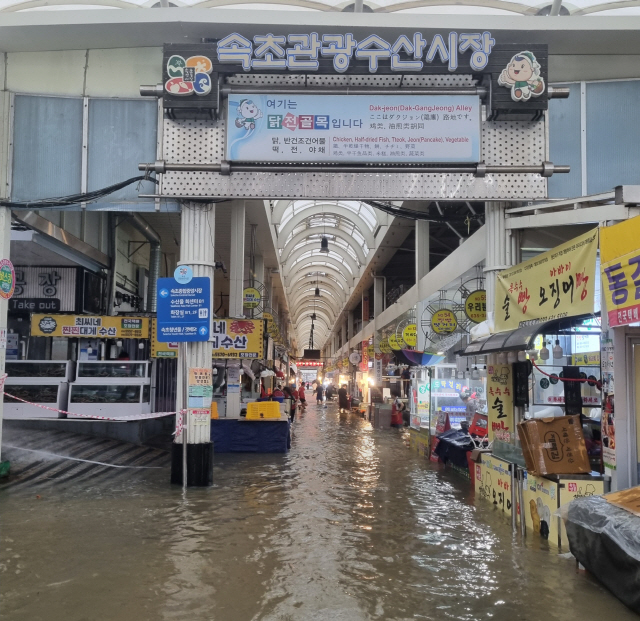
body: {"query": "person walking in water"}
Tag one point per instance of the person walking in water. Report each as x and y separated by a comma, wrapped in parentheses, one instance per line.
(343, 399)
(319, 394)
(303, 401)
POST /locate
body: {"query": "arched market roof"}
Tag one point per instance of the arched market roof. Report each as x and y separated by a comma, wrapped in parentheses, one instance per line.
(458, 7)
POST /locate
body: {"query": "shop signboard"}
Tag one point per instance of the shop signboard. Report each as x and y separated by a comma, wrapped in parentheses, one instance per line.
(620, 270)
(555, 284)
(384, 346)
(394, 344)
(237, 338)
(364, 363)
(89, 326)
(184, 310)
(423, 401)
(7, 279)
(493, 482)
(251, 297)
(34, 305)
(475, 306)
(586, 359)
(378, 369)
(500, 402)
(444, 321)
(410, 335)
(161, 350)
(49, 289)
(353, 128)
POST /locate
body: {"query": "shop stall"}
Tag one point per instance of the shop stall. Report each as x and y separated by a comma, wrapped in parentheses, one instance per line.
(43, 382)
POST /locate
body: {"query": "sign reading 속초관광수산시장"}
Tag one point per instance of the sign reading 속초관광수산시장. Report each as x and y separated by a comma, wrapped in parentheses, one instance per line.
(620, 271)
(237, 338)
(353, 128)
(555, 284)
(90, 326)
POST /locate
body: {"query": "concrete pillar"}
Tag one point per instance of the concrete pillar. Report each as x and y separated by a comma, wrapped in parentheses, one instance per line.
(350, 332)
(236, 262)
(259, 270)
(196, 250)
(496, 255)
(344, 332)
(422, 269)
(379, 294)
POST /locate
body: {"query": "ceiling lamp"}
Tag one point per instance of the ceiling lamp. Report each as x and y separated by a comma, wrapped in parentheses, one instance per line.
(324, 244)
(317, 292)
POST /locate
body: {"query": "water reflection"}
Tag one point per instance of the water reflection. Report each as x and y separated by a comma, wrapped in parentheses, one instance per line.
(349, 526)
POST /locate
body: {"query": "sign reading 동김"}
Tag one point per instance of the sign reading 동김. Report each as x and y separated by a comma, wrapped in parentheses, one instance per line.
(353, 128)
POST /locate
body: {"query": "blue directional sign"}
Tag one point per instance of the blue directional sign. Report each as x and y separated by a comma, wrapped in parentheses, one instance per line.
(184, 312)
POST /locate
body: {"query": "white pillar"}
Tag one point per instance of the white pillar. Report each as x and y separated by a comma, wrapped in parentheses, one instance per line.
(196, 250)
(422, 269)
(350, 333)
(344, 332)
(236, 262)
(496, 254)
(5, 240)
(378, 295)
(259, 269)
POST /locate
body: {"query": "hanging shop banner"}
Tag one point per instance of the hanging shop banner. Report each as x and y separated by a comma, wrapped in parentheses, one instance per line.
(237, 338)
(394, 343)
(353, 128)
(161, 350)
(251, 298)
(620, 271)
(364, 363)
(378, 370)
(7, 279)
(410, 335)
(444, 321)
(88, 326)
(555, 284)
(475, 306)
(500, 402)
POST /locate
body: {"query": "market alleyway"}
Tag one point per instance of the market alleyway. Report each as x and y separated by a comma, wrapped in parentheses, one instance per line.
(351, 526)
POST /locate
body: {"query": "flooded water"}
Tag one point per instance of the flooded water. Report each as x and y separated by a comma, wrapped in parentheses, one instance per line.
(350, 525)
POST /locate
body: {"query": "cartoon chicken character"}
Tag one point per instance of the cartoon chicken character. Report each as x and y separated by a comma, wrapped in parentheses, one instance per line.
(248, 114)
(522, 76)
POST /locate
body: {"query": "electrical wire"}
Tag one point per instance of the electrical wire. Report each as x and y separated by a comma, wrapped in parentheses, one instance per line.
(597, 384)
(75, 199)
(412, 214)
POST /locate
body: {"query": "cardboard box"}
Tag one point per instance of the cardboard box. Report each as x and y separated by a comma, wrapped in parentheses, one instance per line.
(554, 446)
(628, 499)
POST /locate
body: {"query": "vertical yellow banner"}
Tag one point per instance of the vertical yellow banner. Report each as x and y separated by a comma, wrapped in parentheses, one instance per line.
(500, 402)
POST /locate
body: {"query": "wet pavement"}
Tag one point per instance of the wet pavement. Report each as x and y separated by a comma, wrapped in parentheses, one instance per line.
(350, 525)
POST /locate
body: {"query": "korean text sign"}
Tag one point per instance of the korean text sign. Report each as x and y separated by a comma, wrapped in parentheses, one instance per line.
(90, 326)
(184, 310)
(500, 402)
(237, 338)
(620, 269)
(555, 284)
(353, 128)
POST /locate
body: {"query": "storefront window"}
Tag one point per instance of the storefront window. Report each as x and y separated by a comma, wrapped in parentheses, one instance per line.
(33, 394)
(36, 369)
(105, 394)
(112, 369)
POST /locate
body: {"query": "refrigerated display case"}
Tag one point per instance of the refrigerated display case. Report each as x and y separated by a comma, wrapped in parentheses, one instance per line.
(113, 388)
(45, 382)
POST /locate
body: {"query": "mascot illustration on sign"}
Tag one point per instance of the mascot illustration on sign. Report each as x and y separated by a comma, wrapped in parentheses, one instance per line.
(248, 114)
(522, 76)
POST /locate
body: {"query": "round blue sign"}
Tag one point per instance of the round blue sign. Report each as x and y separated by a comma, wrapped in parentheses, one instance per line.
(183, 274)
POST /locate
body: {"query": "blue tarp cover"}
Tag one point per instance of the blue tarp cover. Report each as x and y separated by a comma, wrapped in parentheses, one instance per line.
(236, 436)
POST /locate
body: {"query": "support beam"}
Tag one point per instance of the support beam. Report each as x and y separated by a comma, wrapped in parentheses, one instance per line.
(236, 263)
(422, 269)
(379, 294)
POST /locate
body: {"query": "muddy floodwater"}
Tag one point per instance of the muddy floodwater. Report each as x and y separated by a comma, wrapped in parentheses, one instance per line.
(350, 525)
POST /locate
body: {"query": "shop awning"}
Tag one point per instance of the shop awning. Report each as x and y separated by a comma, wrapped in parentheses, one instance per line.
(520, 338)
(293, 367)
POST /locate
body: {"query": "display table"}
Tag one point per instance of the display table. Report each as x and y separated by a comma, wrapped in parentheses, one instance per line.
(238, 435)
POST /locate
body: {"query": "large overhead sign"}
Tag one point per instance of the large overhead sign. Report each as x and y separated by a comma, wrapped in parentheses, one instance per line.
(555, 284)
(353, 128)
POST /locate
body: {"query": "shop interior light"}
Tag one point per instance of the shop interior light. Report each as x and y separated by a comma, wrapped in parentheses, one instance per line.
(317, 292)
(440, 353)
(119, 343)
(512, 357)
(544, 352)
(522, 356)
(475, 374)
(483, 372)
(502, 358)
(557, 351)
(141, 345)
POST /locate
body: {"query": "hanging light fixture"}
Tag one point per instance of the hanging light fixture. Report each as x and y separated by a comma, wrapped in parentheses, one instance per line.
(317, 292)
(324, 244)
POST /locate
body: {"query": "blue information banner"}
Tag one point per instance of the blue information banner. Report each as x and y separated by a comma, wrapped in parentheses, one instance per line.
(354, 128)
(184, 313)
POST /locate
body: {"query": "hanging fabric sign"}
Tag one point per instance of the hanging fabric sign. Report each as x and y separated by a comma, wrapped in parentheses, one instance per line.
(500, 402)
(555, 284)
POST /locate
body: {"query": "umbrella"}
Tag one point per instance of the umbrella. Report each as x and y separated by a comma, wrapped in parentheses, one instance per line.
(420, 358)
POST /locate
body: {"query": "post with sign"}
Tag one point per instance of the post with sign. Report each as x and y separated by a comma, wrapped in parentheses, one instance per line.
(7, 286)
(184, 317)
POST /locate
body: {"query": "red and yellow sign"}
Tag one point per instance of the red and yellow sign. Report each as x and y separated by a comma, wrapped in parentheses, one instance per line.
(555, 284)
(444, 321)
(620, 270)
(475, 306)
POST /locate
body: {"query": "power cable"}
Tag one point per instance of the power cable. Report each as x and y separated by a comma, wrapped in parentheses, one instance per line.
(412, 214)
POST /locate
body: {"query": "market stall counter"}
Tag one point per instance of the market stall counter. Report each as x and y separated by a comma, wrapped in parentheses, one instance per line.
(241, 435)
